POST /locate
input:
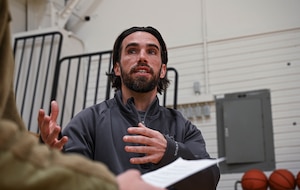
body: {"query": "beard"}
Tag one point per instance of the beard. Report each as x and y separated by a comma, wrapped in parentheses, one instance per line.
(140, 84)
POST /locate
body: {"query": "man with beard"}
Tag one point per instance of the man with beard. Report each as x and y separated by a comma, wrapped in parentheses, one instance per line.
(132, 130)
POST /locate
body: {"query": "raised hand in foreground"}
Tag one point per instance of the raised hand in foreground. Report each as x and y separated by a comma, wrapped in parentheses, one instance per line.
(49, 129)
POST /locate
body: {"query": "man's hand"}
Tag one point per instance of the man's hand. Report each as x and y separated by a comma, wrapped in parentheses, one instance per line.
(152, 143)
(49, 128)
(131, 180)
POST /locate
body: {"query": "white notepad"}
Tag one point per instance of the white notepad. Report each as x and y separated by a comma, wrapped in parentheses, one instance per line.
(177, 171)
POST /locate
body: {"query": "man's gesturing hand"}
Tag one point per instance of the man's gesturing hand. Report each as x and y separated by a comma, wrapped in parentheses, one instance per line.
(49, 128)
(152, 143)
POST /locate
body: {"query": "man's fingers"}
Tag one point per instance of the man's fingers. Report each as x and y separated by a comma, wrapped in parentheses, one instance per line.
(49, 129)
(52, 136)
(41, 116)
(60, 144)
(144, 159)
(141, 125)
(139, 139)
(54, 111)
(44, 128)
(143, 130)
(142, 149)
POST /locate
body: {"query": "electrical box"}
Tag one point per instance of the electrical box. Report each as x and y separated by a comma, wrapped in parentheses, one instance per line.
(245, 131)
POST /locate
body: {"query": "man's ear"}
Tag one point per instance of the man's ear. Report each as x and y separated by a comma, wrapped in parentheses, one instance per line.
(117, 69)
(163, 71)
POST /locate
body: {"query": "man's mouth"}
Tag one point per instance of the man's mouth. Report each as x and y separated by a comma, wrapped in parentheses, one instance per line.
(142, 71)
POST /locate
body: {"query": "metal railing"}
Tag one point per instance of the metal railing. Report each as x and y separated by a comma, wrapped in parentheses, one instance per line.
(175, 88)
(81, 81)
(35, 58)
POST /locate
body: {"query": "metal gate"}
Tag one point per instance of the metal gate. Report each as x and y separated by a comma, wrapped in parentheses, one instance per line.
(35, 57)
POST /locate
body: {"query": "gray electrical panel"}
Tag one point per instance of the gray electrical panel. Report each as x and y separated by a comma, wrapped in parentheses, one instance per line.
(245, 131)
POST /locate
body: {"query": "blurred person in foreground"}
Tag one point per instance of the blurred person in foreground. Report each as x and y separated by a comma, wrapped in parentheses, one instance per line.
(27, 164)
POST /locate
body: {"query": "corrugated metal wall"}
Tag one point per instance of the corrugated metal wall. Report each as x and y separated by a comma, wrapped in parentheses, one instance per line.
(265, 61)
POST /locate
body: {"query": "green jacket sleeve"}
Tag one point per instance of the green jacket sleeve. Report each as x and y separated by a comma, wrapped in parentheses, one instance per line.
(24, 163)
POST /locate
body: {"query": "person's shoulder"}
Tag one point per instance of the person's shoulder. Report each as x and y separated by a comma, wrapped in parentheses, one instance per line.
(95, 110)
(102, 106)
(173, 112)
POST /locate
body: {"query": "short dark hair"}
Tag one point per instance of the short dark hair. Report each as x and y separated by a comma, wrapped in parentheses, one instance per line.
(116, 80)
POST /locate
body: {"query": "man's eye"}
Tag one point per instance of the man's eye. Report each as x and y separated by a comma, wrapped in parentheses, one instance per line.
(152, 51)
(131, 51)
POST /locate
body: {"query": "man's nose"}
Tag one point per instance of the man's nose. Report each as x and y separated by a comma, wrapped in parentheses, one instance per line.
(143, 56)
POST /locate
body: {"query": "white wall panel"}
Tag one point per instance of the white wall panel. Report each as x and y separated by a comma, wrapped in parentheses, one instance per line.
(232, 18)
(270, 60)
